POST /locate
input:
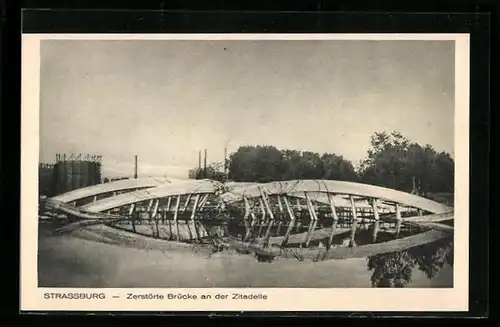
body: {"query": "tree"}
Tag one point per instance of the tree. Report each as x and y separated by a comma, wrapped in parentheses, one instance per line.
(267, 163)
(431, 258)
(396, 269)
(335, 167)
(256, 164)
(395, 162)
(392, 269)
(384, 162)
(291, 164)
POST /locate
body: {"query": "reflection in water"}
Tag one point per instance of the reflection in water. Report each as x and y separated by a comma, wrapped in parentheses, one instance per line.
(395, 269)
(80, 260)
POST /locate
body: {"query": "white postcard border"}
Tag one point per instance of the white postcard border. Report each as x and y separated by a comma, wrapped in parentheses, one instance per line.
(278, 299)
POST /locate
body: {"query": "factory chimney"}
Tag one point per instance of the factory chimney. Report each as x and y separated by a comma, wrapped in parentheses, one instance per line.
(135, 167)
(199, 160)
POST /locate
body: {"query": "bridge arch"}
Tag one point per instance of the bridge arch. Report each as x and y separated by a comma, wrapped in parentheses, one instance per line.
(181, 188)
(106, 190)
(339, 189)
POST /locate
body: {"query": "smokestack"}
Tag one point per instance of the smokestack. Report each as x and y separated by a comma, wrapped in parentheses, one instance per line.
(199, 159)
(205, 160)
(135, 166)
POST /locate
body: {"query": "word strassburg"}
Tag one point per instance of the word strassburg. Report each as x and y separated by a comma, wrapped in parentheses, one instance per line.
(74, 296)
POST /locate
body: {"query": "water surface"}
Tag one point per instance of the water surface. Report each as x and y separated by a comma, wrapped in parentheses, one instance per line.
(68, 261)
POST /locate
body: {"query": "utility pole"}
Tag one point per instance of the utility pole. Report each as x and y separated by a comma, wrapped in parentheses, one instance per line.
(135, 167)
(225, 160)
(205, 161)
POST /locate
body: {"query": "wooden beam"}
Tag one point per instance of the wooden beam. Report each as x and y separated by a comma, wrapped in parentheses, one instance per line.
(193, 215)
(166, 215)
(398, 219)
(271, 222)
(155, 212)
(131, 209)
(354, 220)
(267, 205)
(268, 232)
(280, 206)
(169, 201)
(262, 209)
(247, 208)
(377, 218)
(177, 204)
(252, 214)
(150, 204)
(249, 230)
(254, 219)
(248, 212)
(195, 205)
(292, 221)
(263, 218)
(335, 220)
(155, 209)
(130, 213)
(203, 202)
(314, 219)
(289, 208)
(183, 210)
(187, 203)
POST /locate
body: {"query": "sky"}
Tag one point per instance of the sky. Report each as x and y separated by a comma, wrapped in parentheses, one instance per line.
(165, 100)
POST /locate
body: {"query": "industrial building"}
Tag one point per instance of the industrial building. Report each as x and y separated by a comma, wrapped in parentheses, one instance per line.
(70, 172)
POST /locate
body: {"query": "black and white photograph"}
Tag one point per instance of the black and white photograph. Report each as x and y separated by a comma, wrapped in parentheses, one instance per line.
(246, 163)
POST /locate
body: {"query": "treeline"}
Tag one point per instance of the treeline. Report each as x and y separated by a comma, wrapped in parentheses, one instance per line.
(267, 163)
(395, 162)
(392, 161)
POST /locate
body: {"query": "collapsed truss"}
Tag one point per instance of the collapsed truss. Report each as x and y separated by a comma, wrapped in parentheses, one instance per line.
(275, 216)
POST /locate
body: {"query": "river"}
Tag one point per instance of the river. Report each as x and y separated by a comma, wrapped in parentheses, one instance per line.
(69, 261)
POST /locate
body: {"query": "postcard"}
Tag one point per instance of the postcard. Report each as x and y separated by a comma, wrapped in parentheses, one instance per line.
(243, 172)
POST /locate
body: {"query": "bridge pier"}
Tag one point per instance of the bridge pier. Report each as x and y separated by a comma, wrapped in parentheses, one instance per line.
(399, 219)
(270, 221)
(313, 220)
(354, 221)
(193, 217)
(176, 212)
(377, 218)
(335, 220)
(292, 221)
